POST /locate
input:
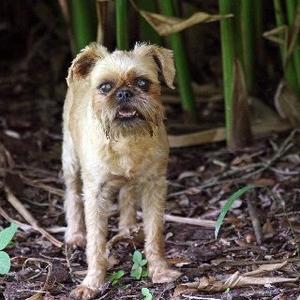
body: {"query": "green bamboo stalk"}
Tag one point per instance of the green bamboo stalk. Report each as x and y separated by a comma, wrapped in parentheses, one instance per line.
(146, 31)
(237, 29)
(292, 6)
(258, 31)
(121, 24)
(228, 52)
(183, 74)
(247, 39)
(288, 69)
(84, 22)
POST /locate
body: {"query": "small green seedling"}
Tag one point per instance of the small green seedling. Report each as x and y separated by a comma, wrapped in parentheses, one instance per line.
(229, 202)
(6, 236)
(116, 276)
(139, 268)
(147, 294)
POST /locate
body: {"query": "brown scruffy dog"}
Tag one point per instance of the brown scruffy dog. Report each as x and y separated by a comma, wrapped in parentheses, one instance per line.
(115, 142)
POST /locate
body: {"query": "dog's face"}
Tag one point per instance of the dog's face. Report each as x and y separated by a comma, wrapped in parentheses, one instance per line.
(125, 86)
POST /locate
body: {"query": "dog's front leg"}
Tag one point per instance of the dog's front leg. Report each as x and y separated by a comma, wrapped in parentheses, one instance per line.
(153, 204)
(97, 199)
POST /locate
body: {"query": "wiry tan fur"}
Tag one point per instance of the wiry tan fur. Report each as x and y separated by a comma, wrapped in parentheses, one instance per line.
(103, 157)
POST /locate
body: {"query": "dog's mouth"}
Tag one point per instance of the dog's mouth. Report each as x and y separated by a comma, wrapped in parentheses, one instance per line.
(128, 114)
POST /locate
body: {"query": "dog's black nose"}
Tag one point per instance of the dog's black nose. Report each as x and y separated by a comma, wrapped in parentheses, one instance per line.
(124, 95)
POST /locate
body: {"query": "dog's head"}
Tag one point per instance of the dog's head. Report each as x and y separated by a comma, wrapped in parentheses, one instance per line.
(125, 86)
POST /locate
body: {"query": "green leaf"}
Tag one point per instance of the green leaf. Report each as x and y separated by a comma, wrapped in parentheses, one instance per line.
(137, 257)
(143, 262)
(145, 273)
(116, 276)
(6, 235)
(136, 273)
(138, 269)
(228, 205)
(135, 265)
(4, 263)
(147, 294)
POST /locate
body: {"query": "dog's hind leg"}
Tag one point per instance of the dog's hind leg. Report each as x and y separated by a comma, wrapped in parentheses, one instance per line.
(127, 205)
(75, 232)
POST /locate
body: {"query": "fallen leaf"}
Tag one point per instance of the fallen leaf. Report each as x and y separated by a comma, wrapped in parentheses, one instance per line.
(250, 238)
(179, 261)
(268, 229)
(37, 296)
(211, 284)
(264, 181)
(266, 268)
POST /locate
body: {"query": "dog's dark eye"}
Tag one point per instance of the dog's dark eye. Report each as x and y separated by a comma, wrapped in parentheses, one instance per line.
(104, 88)
(143, 83)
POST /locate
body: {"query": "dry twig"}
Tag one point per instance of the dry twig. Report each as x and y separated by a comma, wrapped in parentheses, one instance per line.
(184, 220)
(11, 198)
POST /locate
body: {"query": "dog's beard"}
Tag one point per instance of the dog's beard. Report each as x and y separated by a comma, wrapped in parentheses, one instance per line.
(148, 117)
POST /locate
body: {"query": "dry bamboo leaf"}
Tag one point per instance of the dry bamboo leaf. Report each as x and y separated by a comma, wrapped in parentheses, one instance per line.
(266, 268)
(286, 36)
(197, 138)
(287, 104)
(165, 25)
(211, 284)
(277, 35)
(237, 280)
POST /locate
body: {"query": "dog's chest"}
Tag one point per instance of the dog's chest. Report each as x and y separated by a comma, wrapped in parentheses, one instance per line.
(128, 159)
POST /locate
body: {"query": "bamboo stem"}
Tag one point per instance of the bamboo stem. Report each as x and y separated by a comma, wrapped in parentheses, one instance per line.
(247, 35)
(227, 44)
(292, 7)
(288, 68)
(84, 22)
(147, 33)
(121, 24)
(258, 31)
(183, 75)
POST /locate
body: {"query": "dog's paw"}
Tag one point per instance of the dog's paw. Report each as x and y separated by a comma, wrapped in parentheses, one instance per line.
(76, 239)
(163, 275)
(83, 292)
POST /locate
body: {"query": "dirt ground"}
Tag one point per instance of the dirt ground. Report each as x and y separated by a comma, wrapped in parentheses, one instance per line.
(200, 180)
(260, 233)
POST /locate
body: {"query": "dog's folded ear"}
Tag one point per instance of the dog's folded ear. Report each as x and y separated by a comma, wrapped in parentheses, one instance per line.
(85, 61)
(163, 58)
